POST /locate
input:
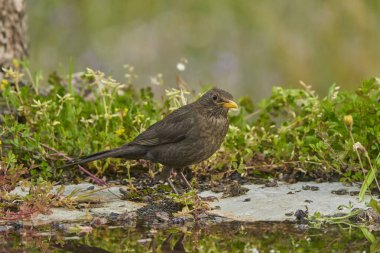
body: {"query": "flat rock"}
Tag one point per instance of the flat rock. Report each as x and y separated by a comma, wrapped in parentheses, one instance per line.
(279, 203)
(105, 201)
(260, 203)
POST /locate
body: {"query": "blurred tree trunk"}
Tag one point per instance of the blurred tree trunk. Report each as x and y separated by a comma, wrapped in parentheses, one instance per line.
(13, 32)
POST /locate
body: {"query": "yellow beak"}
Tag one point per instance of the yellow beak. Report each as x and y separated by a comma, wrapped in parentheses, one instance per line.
(230, 104)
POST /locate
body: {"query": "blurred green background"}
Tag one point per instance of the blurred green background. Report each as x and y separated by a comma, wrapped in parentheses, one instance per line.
(244, 46)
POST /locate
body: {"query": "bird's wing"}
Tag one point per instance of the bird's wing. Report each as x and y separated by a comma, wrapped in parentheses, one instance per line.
(171, 129)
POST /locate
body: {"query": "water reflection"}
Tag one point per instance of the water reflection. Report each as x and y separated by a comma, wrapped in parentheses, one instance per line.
(224, 237)
(166, 245)
(75, 246)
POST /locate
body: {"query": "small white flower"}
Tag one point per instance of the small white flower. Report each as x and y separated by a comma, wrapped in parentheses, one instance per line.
(181, 65)
(253, 250)
(87, 121)
(157, 80)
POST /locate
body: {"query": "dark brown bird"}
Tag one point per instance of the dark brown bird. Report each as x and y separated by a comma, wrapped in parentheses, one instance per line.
(187, 136)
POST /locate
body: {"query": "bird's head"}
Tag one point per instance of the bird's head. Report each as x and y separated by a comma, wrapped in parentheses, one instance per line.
(217, 100)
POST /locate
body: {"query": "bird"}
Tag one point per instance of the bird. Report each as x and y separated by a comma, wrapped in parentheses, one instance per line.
(186, 136)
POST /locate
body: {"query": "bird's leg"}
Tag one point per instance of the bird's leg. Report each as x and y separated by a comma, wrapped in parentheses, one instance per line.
(169, 180)
(185, 180)
(172, 186)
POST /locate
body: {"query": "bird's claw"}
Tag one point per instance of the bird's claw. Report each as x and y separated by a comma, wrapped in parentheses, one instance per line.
(209, 198)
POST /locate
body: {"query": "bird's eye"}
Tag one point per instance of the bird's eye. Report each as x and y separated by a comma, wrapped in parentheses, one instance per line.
(215, 97)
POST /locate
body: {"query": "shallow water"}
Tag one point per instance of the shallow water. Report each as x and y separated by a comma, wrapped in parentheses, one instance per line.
(224, 237)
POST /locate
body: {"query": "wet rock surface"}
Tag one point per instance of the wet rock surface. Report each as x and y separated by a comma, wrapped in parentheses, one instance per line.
(251, 203)
(95, 202)
(284, 201)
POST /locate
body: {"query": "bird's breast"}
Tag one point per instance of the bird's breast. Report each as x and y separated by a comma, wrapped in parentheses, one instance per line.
(212, 133)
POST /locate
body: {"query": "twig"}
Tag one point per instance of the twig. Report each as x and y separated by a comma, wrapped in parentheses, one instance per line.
(249, 116)
(92, 176)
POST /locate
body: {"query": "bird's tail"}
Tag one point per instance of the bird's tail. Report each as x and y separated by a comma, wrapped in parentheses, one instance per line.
(127, 152)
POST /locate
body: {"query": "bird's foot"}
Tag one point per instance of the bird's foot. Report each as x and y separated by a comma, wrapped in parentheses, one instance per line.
(209, 198)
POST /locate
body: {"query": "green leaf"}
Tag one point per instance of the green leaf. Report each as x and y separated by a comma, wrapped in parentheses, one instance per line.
(375, 205)
(368, 235)
(366, 183)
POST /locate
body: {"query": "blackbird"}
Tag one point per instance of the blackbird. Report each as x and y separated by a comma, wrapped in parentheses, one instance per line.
(187, 136)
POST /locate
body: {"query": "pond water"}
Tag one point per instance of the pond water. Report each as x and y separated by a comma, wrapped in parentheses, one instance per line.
(223, 237)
